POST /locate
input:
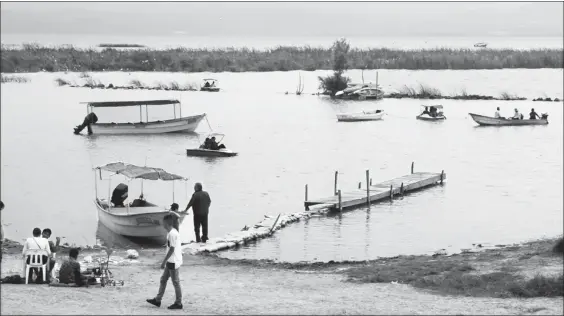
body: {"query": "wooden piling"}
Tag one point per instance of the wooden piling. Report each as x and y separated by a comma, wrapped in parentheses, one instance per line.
(335, 187)
(442, 176)
(368, 183)
(306, 207)
(391, 192)
(401, 189)
(359, 185)
(412, 165)
(340, 201)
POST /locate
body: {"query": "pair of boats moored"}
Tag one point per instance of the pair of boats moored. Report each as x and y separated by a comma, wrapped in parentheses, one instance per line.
(429, 113)
(141, 218)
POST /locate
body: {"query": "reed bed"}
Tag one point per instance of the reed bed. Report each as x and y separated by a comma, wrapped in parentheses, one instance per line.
(34, 58)
(14, 79)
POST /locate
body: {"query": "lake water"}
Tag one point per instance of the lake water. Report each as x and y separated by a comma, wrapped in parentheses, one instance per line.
(161, 42)
(504, 184)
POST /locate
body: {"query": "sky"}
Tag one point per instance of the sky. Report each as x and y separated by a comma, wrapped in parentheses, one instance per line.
(279, 19)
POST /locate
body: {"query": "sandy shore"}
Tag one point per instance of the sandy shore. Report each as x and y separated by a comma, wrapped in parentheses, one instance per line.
(218, 286)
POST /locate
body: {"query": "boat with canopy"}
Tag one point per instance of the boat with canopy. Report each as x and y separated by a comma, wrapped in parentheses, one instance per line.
(176, 124)
(207, 151)
(210, 85)
(431, 113)
(139, 218)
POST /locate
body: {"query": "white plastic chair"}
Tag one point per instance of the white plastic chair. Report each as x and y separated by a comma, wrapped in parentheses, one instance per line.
(35, 261)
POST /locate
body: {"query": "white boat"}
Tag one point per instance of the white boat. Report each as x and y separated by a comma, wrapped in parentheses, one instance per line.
(363, 116)
(180, 124)
(481, 45)
(361, 91)
(138, 218)
(492, 121)
(210, 85)
(203, 152)
(431, 113)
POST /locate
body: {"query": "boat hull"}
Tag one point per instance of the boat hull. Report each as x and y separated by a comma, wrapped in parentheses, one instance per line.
(145, 223)
(430, 118)
(359, 117)
(492, 121)
(197, 152)
(184, 124)
(206, 89)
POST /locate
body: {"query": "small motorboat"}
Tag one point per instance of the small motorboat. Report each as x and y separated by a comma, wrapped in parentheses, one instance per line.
(361, 91)
(492, 121)
(363, 116)
(210, 85)
(481, 45)
(431, 113)
(139, 218)
(202, 151)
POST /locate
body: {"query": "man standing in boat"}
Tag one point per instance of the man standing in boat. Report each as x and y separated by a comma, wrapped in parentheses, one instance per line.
(200, 203)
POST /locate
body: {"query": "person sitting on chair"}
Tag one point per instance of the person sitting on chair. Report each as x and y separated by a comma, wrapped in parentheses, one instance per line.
(70, 270)
(36, 243)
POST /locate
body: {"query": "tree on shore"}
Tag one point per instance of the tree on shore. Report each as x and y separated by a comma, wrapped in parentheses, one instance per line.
(337, 82)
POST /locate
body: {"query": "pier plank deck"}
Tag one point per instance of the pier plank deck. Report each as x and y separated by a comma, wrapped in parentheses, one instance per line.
(380, 191)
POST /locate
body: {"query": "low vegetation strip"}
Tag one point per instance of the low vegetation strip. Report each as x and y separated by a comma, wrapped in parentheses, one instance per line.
(34, 58)
(530, 270)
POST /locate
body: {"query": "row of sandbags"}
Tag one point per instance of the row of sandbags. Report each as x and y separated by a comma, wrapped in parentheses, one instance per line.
(263, 229)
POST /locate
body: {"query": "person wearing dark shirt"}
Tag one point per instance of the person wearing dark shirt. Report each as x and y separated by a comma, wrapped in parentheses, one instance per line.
(533, 115)
(70, 270)
(200, 203)
(46, 233)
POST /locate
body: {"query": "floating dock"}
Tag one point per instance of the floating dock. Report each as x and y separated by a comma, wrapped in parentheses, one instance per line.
(377, 192)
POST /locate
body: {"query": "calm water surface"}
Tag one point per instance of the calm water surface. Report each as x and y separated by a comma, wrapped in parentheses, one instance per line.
(504, 184)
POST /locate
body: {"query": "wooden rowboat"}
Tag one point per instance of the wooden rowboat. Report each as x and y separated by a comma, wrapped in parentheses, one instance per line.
(492, 121)
(359, 117)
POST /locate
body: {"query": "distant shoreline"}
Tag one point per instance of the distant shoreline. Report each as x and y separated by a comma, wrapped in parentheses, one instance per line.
(35, 58)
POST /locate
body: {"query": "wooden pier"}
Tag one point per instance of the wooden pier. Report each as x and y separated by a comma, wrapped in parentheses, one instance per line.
(377, 192)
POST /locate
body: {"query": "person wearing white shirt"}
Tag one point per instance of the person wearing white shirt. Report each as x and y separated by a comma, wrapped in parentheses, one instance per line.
(497, 115)
(171, 263)
(35, 243)
(516, 115)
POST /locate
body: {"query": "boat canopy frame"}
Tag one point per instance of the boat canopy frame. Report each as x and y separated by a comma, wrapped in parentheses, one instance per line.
(113, 104)
(132, 172)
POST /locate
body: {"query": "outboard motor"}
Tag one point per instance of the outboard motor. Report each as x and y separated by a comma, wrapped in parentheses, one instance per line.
(544, 116)
(119, 195)
(90, 118)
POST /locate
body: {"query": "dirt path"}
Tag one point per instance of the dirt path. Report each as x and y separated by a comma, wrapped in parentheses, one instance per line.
(216, 287)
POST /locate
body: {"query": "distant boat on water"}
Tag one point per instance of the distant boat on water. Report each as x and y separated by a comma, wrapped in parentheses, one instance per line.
(481, 44)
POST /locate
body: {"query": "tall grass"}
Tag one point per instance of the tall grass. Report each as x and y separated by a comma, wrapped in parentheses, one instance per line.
(15, 79)
(33, 58)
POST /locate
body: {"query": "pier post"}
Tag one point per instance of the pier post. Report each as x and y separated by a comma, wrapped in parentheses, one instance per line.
(391, 192)
(335, 187)
(368, 180)
(340, 201)
(401, 189)
(306, 193)
(412, 165)
(442, 176)
(359, 185)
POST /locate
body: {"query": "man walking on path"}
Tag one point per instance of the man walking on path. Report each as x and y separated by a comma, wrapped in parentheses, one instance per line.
(200, 203)
(171, 263)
